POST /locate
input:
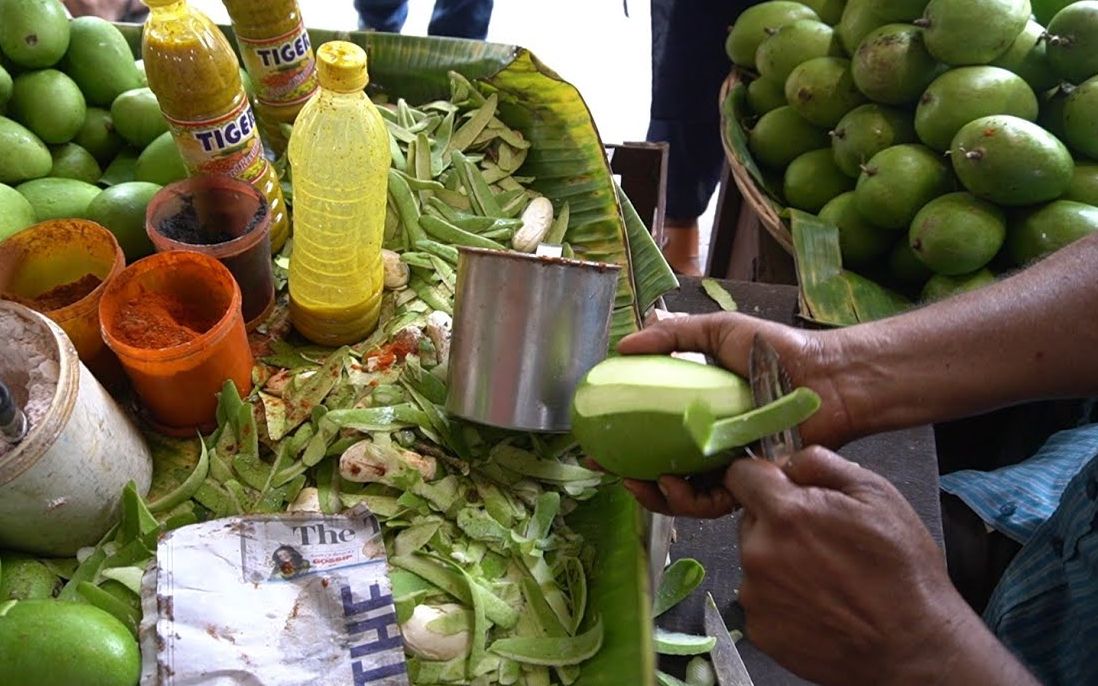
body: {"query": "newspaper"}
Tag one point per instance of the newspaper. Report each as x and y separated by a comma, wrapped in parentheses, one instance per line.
(272, 600)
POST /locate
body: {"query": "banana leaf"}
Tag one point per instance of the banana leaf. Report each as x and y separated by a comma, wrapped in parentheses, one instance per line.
(569, 162)
(567, 157)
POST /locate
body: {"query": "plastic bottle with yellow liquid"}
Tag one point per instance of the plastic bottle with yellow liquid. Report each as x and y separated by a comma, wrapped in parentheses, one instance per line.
(276, 51)
(194, 73)
(339, 156)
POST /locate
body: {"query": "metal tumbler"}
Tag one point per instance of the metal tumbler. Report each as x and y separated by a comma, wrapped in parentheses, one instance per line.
(526, 330)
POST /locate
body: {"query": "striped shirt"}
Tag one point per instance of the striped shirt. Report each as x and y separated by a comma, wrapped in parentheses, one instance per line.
(1045, 608)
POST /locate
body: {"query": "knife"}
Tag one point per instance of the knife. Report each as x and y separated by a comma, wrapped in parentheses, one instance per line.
(727, 662)
(769, 381)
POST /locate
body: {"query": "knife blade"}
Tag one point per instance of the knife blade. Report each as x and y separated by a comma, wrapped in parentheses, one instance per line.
(727, 662)
(769, 381)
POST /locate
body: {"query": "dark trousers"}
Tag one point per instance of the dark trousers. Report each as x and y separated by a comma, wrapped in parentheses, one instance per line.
(689, 65)
(453, 18)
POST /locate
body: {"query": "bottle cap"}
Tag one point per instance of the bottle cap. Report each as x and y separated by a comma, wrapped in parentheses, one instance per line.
(341, 67)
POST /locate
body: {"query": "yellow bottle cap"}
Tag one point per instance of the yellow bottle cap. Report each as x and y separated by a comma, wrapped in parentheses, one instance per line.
(341, 66)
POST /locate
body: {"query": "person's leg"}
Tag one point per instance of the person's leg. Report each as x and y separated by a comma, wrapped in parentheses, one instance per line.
(688, 66)
(461, 18)
(382, 15)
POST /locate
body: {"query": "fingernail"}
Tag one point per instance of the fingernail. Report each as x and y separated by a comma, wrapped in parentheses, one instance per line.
(663, 488)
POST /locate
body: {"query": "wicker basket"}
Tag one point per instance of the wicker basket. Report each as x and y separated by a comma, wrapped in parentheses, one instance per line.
(767, 210)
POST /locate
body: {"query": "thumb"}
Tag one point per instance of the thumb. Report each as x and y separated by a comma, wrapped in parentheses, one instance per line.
(816, 466)
(758, 485)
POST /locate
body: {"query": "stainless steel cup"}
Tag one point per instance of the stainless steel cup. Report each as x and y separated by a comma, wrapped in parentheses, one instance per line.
(526, 330)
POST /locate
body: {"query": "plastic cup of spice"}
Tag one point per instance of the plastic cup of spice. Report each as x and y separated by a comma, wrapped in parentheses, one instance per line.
(226, 219)
(61, 268)
(175, 322)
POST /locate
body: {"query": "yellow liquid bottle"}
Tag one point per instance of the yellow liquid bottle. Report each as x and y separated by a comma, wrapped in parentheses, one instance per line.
(339, 156)
(194, 73)
(276, 51)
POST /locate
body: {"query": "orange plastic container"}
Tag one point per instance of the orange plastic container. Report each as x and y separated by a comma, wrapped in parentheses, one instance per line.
(175, 322)
(37, 263)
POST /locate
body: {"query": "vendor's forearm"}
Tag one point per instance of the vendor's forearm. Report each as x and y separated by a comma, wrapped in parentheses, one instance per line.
(1032, 336)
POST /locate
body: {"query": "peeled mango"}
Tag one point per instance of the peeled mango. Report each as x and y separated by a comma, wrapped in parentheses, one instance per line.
(892, 66)
(822, 90)
(962, 32)
(25, 155)
(967, 93)
(33, 33)
(46, 642)
(756, 23)
(1011, 161)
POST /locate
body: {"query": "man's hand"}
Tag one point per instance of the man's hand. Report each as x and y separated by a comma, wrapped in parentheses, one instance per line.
(727, 338)
(844, 585)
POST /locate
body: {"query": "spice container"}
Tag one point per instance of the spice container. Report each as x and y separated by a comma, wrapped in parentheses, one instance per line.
(175, 322)
(526, 330)
(60, 268)
(226, 219)
(61, 485)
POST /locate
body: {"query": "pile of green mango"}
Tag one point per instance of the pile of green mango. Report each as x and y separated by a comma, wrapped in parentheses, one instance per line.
(81, 134)
(948, 140)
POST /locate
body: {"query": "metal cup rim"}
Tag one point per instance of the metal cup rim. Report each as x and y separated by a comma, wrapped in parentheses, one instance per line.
(540, 259)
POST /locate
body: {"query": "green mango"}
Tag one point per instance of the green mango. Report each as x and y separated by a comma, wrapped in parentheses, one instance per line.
(5, 89)
(860, 242)
(765, 95)
(822, 90)
(137, 117)
(143, 78)
(781, 136)
(16, 212)
(1036, 233)
(97, 135)
(813, 179)
(1051, 117)
(963, 32)
(33, 33)
(756, 23)
(861, 17)
(1011, 161)
(70, 161)
(58, 198)
(99, 61)
(121, 209)
(160, 163)
(830, 11)
(793, 45)
(866, 131)
(1080, 119)
(25, 578)
(967, 93)
(1084, 184)
(1073, 42)
(905, 266)
(892, 66)
(957, 234)
(45, 642)
(940, 286)
(1045, 10)
(1028, 57)
(897, 182)
(49, 103)
(25, 155)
